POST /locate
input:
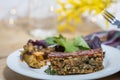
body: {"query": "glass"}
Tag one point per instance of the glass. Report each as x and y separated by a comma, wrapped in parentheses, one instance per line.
(11, 18)
(42, 18)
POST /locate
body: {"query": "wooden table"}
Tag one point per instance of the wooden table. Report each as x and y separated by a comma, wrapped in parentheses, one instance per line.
(14, 38)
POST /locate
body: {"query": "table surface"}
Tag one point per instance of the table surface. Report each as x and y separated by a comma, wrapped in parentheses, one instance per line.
(14, 38)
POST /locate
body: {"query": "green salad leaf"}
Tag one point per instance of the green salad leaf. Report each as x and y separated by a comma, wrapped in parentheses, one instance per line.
(72, 45)
(80, 42)
(69, 47)
(50, 40)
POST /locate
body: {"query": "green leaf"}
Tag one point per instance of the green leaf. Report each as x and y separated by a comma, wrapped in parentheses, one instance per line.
(50, 71)
(80, 42)
(69, 47)
(72, 45)
(50, 40)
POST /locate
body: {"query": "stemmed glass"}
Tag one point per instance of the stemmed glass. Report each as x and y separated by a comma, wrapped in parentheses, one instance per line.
(42, 18)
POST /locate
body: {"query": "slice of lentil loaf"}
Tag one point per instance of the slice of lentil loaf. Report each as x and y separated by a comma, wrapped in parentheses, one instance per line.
(80, 62)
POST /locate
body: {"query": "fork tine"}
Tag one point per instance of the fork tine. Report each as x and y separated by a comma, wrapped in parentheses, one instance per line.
(109, 15)
(108, 19)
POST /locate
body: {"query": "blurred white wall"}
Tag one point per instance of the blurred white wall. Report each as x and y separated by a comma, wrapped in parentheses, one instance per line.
(34, 8)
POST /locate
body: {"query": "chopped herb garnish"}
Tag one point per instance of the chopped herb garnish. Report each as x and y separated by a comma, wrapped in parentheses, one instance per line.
(50, 71)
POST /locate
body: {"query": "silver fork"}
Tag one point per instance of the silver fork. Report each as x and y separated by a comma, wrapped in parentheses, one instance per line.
(110, 18)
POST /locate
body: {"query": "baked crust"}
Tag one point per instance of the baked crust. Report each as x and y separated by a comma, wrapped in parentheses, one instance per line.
(80, 62)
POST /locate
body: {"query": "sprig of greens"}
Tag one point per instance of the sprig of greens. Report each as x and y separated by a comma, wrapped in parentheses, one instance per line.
(80, 42)
(50, 71)
(72, 45)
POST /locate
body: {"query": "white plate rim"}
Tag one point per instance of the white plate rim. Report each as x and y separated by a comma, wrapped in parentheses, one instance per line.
(13, 65)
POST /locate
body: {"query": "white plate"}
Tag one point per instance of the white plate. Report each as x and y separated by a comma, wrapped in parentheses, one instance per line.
(111, 66)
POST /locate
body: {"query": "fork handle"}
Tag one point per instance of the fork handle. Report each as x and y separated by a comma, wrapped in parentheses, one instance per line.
(118, 25)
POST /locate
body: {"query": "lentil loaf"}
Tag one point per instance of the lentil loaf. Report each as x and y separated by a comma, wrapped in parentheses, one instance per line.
(81, 62)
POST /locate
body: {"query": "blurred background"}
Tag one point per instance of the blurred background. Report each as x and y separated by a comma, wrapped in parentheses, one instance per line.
(48, 17)
(21, 20)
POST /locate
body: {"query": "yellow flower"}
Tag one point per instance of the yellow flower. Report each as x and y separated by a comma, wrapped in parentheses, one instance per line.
(70, 11)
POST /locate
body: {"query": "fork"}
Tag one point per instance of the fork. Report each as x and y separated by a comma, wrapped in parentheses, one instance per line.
(110, 18)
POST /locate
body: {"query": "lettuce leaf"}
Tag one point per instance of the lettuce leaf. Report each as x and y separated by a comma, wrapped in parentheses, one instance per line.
(72, 45)
(80, 42)
(69, 47)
